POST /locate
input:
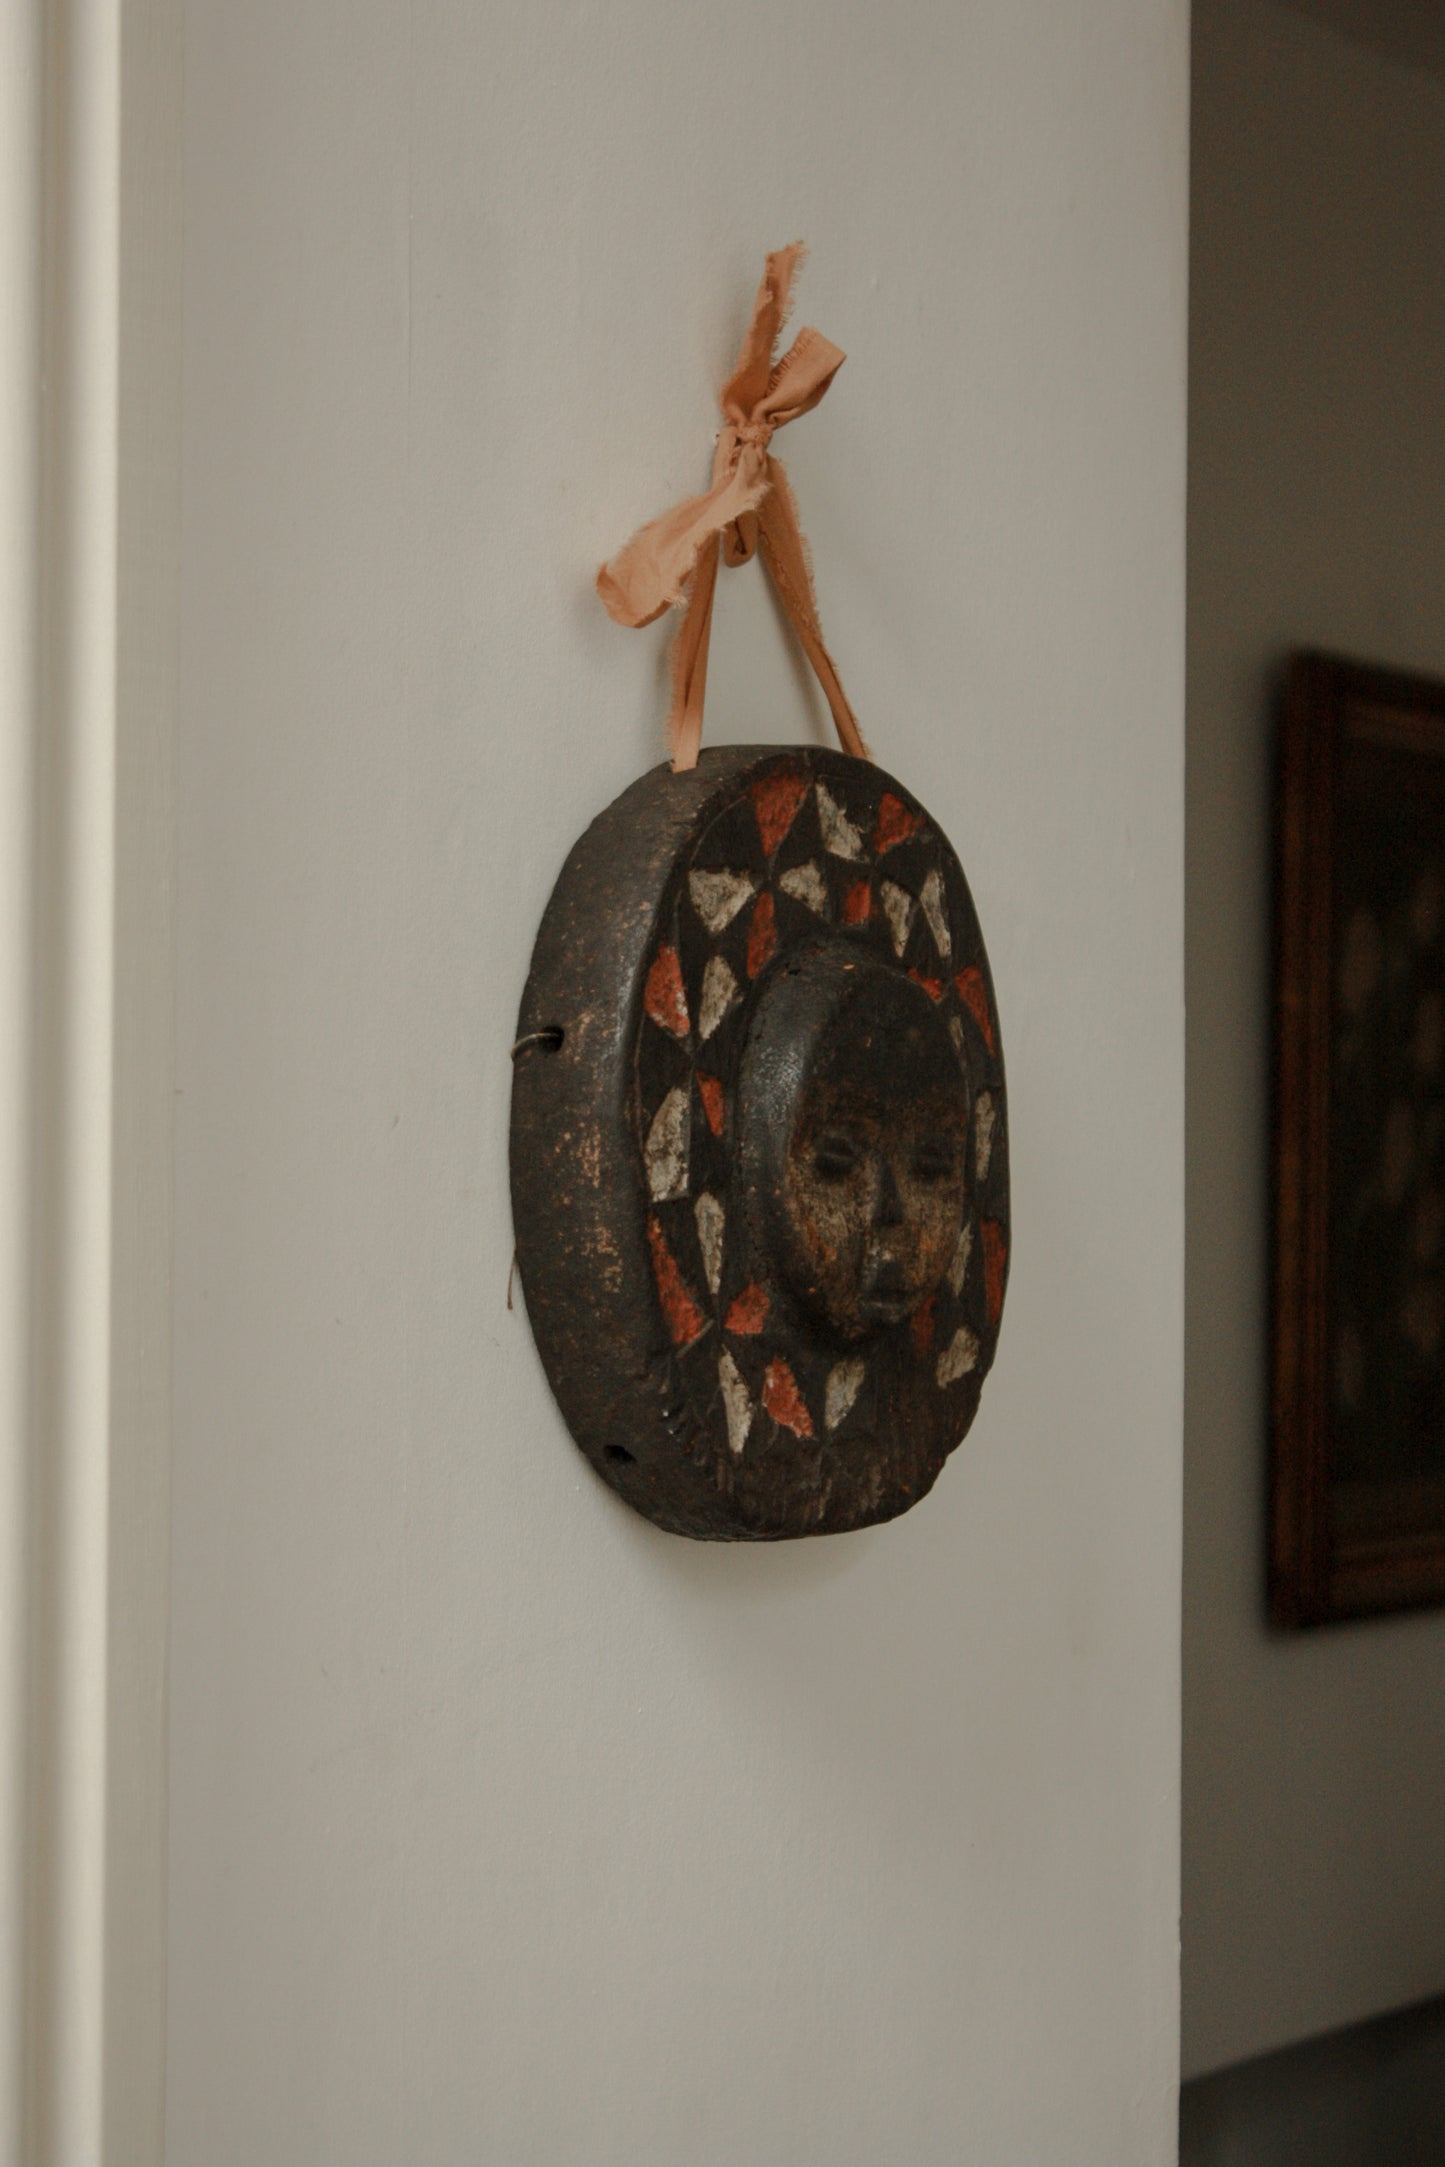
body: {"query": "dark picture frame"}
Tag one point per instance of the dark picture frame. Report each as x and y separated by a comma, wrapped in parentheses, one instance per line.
(1357, 1488)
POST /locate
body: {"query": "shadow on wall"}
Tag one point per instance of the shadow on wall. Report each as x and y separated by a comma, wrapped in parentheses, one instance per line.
(1373, 2096)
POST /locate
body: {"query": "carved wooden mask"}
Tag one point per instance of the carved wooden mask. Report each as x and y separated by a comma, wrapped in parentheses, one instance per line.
(760, 1146)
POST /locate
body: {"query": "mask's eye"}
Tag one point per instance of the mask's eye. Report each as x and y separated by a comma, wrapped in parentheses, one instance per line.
(934, 1159)
(835, 1155)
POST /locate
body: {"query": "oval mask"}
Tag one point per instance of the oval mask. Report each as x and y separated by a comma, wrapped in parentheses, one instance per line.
(760, 1146)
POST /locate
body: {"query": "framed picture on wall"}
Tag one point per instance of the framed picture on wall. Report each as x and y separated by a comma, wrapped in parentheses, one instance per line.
(1357, 1506)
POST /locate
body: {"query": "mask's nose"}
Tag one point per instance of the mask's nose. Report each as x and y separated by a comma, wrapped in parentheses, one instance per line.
(887, 1202)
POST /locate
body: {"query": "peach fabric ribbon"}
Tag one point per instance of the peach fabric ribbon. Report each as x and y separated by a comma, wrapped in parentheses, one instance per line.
(749, 507)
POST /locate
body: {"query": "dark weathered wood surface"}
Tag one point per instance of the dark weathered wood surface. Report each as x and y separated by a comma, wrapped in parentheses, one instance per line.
(760, 1180)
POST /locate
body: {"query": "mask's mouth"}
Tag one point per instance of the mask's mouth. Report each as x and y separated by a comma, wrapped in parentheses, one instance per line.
(887, 1308)
(888, 1293)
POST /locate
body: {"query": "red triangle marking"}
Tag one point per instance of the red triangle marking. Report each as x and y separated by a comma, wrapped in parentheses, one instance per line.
(921, 1328)
(858, 904)
(711, 1093)
(775, 801)
(895, 823)
(995, 1261)
(685, 1320)
(975, 1000)
(763, 934)
(784, 1401)
(664, 997)
(749, 1312)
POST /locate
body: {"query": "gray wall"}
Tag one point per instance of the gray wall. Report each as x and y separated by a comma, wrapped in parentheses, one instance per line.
(505, 1828)
(1314, 1767)
(1411, 31)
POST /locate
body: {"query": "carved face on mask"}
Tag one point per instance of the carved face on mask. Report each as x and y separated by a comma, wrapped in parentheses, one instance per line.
(855, 1113)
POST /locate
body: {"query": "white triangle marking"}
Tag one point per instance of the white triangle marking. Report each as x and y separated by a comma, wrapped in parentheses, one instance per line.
(718, 897)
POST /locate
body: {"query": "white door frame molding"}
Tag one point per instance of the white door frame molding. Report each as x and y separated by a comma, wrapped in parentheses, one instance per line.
(90, 133)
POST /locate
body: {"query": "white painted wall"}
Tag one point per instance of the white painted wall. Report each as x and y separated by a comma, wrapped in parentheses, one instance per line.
(504, 1827)
(1314, 1766)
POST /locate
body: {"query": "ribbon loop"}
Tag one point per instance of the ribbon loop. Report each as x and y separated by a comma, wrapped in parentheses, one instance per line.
(749, 508)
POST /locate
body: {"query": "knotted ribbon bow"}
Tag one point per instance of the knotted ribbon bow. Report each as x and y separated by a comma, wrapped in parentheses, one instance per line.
(749, 507)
